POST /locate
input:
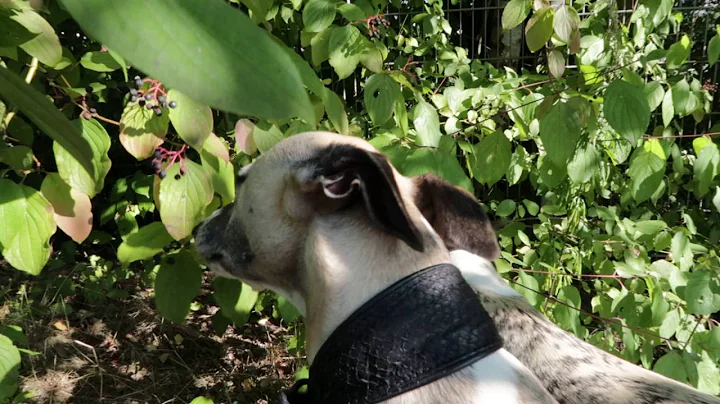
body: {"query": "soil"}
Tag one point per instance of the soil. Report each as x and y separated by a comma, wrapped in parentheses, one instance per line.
(122, 351)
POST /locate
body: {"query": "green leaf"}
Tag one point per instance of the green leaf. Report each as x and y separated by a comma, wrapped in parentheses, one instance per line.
(515, 13)
(556, 63)
(659, 306)
(192, 120)
(671, 365)
(427, 124)
(550, 173)
(584, 164)
(713, 49)
(235, 298)
(45, 45)
(177, 283)
(706, 167)
(646, 171)
(532, 207)
(141, 131)
(244, 140)
(43, 114)
(344, 48)
(202, 400)
(569, 317)
(319, 46)
(207, 49)
(702, 293)
(681, 97)
(490, 158)
(183, 198)
(668, 110)
(144, 244)
(626, 110)
(441, 161)
(287, 310)
(566, 23)
(12, 33)
(351, 12)
(560, 131)
(72, 208)
(709, 375)
(266, 136)
(69, 167)
(539, 28)
(9, 367)
(670, 324)
(528, 287)
(716, 199)
(222, 174)
(27, 225)
(380, 95)
(678, 53)
(506, 208)
(335, 110)
(99, 62)
(19, 158)
(318, 15)
(655, 94)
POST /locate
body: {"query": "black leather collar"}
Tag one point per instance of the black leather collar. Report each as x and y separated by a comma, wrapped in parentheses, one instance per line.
(420, 329)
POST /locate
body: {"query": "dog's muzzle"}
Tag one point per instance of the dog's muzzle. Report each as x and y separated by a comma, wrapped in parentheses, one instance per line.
(225, 254)
(422, 328)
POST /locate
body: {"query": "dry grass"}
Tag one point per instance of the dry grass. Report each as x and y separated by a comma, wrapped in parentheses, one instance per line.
(123, 352)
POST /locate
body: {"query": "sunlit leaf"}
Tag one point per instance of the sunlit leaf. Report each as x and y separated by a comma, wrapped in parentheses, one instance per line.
(345, 46)
(381, 93)
(72, 208)
(143, 244)
(626, 110)
(141, 130)
(192, 120)
(235, 298)
(427, 124)
(176, 284)
(515, 13)
(318, 15)
(566, 23)
(539, 28)
(69, 167)
(184, 197)
(28, 224)
(9, 367)
(491, 158)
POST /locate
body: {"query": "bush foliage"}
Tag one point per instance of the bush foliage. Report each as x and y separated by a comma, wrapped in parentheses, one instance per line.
(608, 201)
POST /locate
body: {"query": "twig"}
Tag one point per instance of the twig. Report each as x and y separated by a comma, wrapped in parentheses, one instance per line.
(28, 79)
(693, 135)
(439, 85)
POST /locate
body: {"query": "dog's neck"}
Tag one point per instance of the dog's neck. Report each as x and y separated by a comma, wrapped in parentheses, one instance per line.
(344, 269)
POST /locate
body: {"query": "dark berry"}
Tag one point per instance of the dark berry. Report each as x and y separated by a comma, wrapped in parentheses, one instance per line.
(148, 96)
(157, 153)
(165, 104)
(158, 111)
(178, 176)
(142, 102)
(172, 104)
(149, 106)
(161, 98)
(161, 174)
(89, 89)
(138, 82)
(133, 98)
(93, 111)
(157, 258)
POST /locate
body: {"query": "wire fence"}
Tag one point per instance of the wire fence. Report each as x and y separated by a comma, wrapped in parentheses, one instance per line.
(476, 25)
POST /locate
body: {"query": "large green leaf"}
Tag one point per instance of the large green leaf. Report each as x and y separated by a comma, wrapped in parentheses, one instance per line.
(491, 158)
(515, 13)
(177, 283)
(192, 121)
(266, 135)
(43, 114)
(335, 110)
(207, 49)
(69, 167)
(184, 197)
(141, 131)
(100, 62)
(566, 23)
(584, 164)
(713, 49)
(655, 94)
(646, 170)
(427, 124)
(27, 225)
(12, 33)
(716, 199)
(560, 131)
(671, 365)
(626, 110)
(441, 161)
(143, 244)
(9, 367)
(702, 293)
(707, 166)
(539, 28)
(681, 97)
(381, 93)
(222, 175)
(678, 53)
(45, 45)
(345, 47)
(72, 208)
(318, 15)
(235, 298)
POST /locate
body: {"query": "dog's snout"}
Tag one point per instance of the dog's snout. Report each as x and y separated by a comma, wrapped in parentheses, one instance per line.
(195, 230)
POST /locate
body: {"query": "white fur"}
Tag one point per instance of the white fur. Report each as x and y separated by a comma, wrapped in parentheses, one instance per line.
(496, 377)
(481, 274)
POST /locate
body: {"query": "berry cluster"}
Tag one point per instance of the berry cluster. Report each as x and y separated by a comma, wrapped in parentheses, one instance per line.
(163, 155)
(88, 102)
(374, 23)
(710, 86)
(154, 97)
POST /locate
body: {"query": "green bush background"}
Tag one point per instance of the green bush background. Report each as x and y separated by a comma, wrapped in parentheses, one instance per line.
(601, 162)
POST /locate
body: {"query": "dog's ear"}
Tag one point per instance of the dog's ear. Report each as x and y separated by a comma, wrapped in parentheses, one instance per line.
(349, 174)
(456, 216)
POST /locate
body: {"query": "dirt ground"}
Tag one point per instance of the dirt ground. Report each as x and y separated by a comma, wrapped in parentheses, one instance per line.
(121, 351)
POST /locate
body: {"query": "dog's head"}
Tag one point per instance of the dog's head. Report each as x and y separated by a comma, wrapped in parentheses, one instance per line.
(343, 182)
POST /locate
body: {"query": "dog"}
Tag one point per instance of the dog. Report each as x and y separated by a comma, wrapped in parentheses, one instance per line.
(326, 221)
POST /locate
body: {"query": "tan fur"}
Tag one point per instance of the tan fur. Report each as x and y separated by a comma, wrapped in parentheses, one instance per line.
(328, 262)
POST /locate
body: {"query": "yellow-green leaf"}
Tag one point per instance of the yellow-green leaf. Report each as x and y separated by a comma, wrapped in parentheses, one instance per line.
(192, 121)
(69, 167)
(184, 197)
